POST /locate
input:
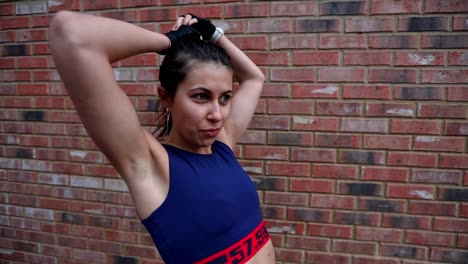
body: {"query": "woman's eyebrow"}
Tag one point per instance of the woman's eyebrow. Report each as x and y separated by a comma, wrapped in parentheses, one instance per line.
(206, 90)
(201, 89)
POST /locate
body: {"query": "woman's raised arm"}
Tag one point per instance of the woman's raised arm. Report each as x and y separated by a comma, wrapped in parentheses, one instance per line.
(244, 102)
(83, 48)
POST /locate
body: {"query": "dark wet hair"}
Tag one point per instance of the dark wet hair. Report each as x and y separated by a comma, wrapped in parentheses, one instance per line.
(177, 63)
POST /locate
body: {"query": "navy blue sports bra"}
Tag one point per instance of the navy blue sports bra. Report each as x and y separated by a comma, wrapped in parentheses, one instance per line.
(211, 204)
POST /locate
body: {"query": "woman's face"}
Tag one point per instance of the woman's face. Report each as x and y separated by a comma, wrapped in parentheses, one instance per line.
(200, 106)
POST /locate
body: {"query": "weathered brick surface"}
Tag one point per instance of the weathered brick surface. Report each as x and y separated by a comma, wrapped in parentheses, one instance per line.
(358, 147)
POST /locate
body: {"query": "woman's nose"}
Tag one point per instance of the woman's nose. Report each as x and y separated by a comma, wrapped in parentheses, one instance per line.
(215, 113)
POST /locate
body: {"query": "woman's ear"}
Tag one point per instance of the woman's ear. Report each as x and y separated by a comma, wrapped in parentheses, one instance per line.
(165, 97)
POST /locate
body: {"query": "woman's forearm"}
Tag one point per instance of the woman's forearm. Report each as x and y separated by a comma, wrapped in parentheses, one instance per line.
(244, 68)
(112, 38)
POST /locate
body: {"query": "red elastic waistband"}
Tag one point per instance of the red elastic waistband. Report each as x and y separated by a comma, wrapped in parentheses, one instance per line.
(241, 251)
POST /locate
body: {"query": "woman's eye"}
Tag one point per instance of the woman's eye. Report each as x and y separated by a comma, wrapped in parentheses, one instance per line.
(200, 97)
(225, 99)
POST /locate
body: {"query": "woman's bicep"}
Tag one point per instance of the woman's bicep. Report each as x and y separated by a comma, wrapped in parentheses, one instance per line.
(243, 106)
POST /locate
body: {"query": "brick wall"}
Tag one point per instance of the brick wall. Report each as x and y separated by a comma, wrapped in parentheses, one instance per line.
(358, 147)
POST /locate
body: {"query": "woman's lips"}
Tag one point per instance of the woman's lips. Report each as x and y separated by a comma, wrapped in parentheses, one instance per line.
(211, 132)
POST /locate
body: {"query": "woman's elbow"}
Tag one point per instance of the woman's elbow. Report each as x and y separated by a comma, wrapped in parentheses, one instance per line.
(63, 31)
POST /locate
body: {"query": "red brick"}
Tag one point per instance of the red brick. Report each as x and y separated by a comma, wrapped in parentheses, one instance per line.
(301, 242)
(341, 75)
(249, 42)
(267, 153)
(294, 9)
(335, 171)
(354, 247)
(445, 6)
(392, 75)
(333, 140)
(88, 255)
(273, 122)
(332, 201)
(451, 225)
(266, 59)
(294, 255)
(287, 169)
(385, 174)
(290, 107)
(342, 42)
(316, 58)
(7, 9)
(374, 260)
(24, 200)
(443, 111)
(7, 63)
(152, 15)
(54, 204)
(309, 185)
(407, 222)
(36, 141)
(453, 161)
(246, 10)
(444, 76)
(430, 238)
(419, 93)
(314, 91)
(462, 241)
(212, 12)
(282, 227)
(343, 8)
(269, 26)
(295, 199)
(381, 109)
(325, 25)
(253, 137)
(364, 125)
(290, 139)
(406, 58)
(384, 205)
(121, 236)
(15, 76)
(410, 191)
(64, 5)
(313, 155)
(455, 128)
(17, 102)
(378, 234)
(15, 22)
(31, 35)
(394, 7)
(292, 75)
(338, 108)
(293, 42)
(430, 127)
(369, 24)
(387, 142)
(393, 41)
(314, 257)
(437, 176)
(439, 144)
(457, 94)
(366, 92)
(66, 167)
(367, 58)
(459, 23)
(311, 215)
(412, 159)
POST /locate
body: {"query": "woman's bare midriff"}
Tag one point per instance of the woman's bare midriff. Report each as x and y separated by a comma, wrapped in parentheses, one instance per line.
(266, 255)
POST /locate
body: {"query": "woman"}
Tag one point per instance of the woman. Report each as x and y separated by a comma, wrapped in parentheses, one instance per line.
(192, 196)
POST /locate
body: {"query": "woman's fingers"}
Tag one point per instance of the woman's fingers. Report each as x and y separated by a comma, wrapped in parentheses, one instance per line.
(184, 20)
